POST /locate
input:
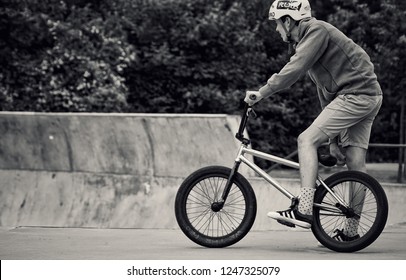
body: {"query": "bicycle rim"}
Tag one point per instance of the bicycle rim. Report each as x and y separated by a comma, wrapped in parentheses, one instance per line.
(199, 216)
(371, 212)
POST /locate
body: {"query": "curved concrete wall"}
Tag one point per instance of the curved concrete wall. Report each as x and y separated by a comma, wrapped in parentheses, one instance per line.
(104, 170)
(157, 145)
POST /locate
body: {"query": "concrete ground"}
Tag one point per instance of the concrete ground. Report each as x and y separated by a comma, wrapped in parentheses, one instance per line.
(41, 243)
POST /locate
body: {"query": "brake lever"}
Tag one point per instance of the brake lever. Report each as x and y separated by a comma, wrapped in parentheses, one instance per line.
(251, 113)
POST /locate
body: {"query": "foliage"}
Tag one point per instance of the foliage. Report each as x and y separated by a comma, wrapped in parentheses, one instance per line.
(190, 58)
(58, 57)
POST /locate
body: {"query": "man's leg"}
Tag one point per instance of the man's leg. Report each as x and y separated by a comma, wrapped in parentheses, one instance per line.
(356, 140)
(302, 215)
(344, 112)
(355, 158)
(355, 161)
(308, 142)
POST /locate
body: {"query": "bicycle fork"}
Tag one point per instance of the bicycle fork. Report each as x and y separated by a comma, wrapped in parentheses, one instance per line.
(218, 205)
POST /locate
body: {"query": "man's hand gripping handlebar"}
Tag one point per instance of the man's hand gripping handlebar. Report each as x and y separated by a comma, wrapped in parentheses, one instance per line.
(252, 97)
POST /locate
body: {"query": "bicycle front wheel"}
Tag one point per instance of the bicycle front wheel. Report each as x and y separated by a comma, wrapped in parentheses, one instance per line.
(364, 217)
(203, 223)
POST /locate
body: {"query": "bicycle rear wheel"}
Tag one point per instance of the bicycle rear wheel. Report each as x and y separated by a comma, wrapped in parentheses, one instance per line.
(367, 216)
(203, 223)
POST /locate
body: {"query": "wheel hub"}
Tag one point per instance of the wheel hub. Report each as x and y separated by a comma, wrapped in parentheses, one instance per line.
(217, 206)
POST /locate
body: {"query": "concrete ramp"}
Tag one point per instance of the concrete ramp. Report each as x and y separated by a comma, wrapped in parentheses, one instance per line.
(157, 145)
(104, 170)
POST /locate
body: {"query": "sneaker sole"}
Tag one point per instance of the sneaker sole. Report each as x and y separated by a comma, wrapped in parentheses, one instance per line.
(298, 223)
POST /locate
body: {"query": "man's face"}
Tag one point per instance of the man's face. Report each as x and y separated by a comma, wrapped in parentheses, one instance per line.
(281, 30)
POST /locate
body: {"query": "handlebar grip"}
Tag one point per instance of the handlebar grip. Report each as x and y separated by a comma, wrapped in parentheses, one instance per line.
(253, 97)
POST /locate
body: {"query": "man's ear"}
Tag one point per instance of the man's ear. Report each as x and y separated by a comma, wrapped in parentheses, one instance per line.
(288, 22)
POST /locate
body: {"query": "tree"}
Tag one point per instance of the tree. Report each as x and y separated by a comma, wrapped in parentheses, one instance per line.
(61, 57)
(201, 54)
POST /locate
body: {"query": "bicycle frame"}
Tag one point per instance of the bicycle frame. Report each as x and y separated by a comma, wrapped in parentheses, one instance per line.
(255, 153)
(245, 150)
(241, 158)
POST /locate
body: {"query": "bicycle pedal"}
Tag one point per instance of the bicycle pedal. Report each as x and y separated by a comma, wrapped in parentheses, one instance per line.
(286, 223)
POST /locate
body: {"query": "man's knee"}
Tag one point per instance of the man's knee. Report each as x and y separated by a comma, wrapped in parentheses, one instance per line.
(303, 140)
(312, 137)
(355, 164)
(355, 158)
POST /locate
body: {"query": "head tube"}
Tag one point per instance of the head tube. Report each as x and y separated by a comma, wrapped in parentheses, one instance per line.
(248, 112)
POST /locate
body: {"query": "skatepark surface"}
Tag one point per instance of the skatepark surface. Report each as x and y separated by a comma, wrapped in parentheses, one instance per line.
(38, 243)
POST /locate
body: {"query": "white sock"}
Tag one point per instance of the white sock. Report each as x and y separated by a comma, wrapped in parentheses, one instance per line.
(306, 199)
(351, 227)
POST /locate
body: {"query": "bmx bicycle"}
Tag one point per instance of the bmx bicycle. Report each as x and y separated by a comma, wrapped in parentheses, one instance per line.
(216, 206)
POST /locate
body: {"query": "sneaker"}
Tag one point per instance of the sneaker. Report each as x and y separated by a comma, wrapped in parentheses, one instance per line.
(341, 236)
(292, 217)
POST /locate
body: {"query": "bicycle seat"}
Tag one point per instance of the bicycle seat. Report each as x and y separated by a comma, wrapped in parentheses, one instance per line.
(327, 160)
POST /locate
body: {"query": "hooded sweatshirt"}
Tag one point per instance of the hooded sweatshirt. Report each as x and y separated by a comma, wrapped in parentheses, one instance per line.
(333, 61)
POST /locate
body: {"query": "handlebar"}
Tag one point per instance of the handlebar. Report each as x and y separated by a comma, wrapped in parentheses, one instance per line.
(248, 112)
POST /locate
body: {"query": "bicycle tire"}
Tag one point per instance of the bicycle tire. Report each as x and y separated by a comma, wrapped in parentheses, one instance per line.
(209, 228)
(372, 220)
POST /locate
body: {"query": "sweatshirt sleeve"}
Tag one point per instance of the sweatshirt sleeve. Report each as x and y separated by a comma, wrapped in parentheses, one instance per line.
(308, 51)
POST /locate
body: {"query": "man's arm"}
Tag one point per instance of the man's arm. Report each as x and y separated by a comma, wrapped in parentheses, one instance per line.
(308, 51)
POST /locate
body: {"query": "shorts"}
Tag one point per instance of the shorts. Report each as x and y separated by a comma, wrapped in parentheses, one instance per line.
(350, 116)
